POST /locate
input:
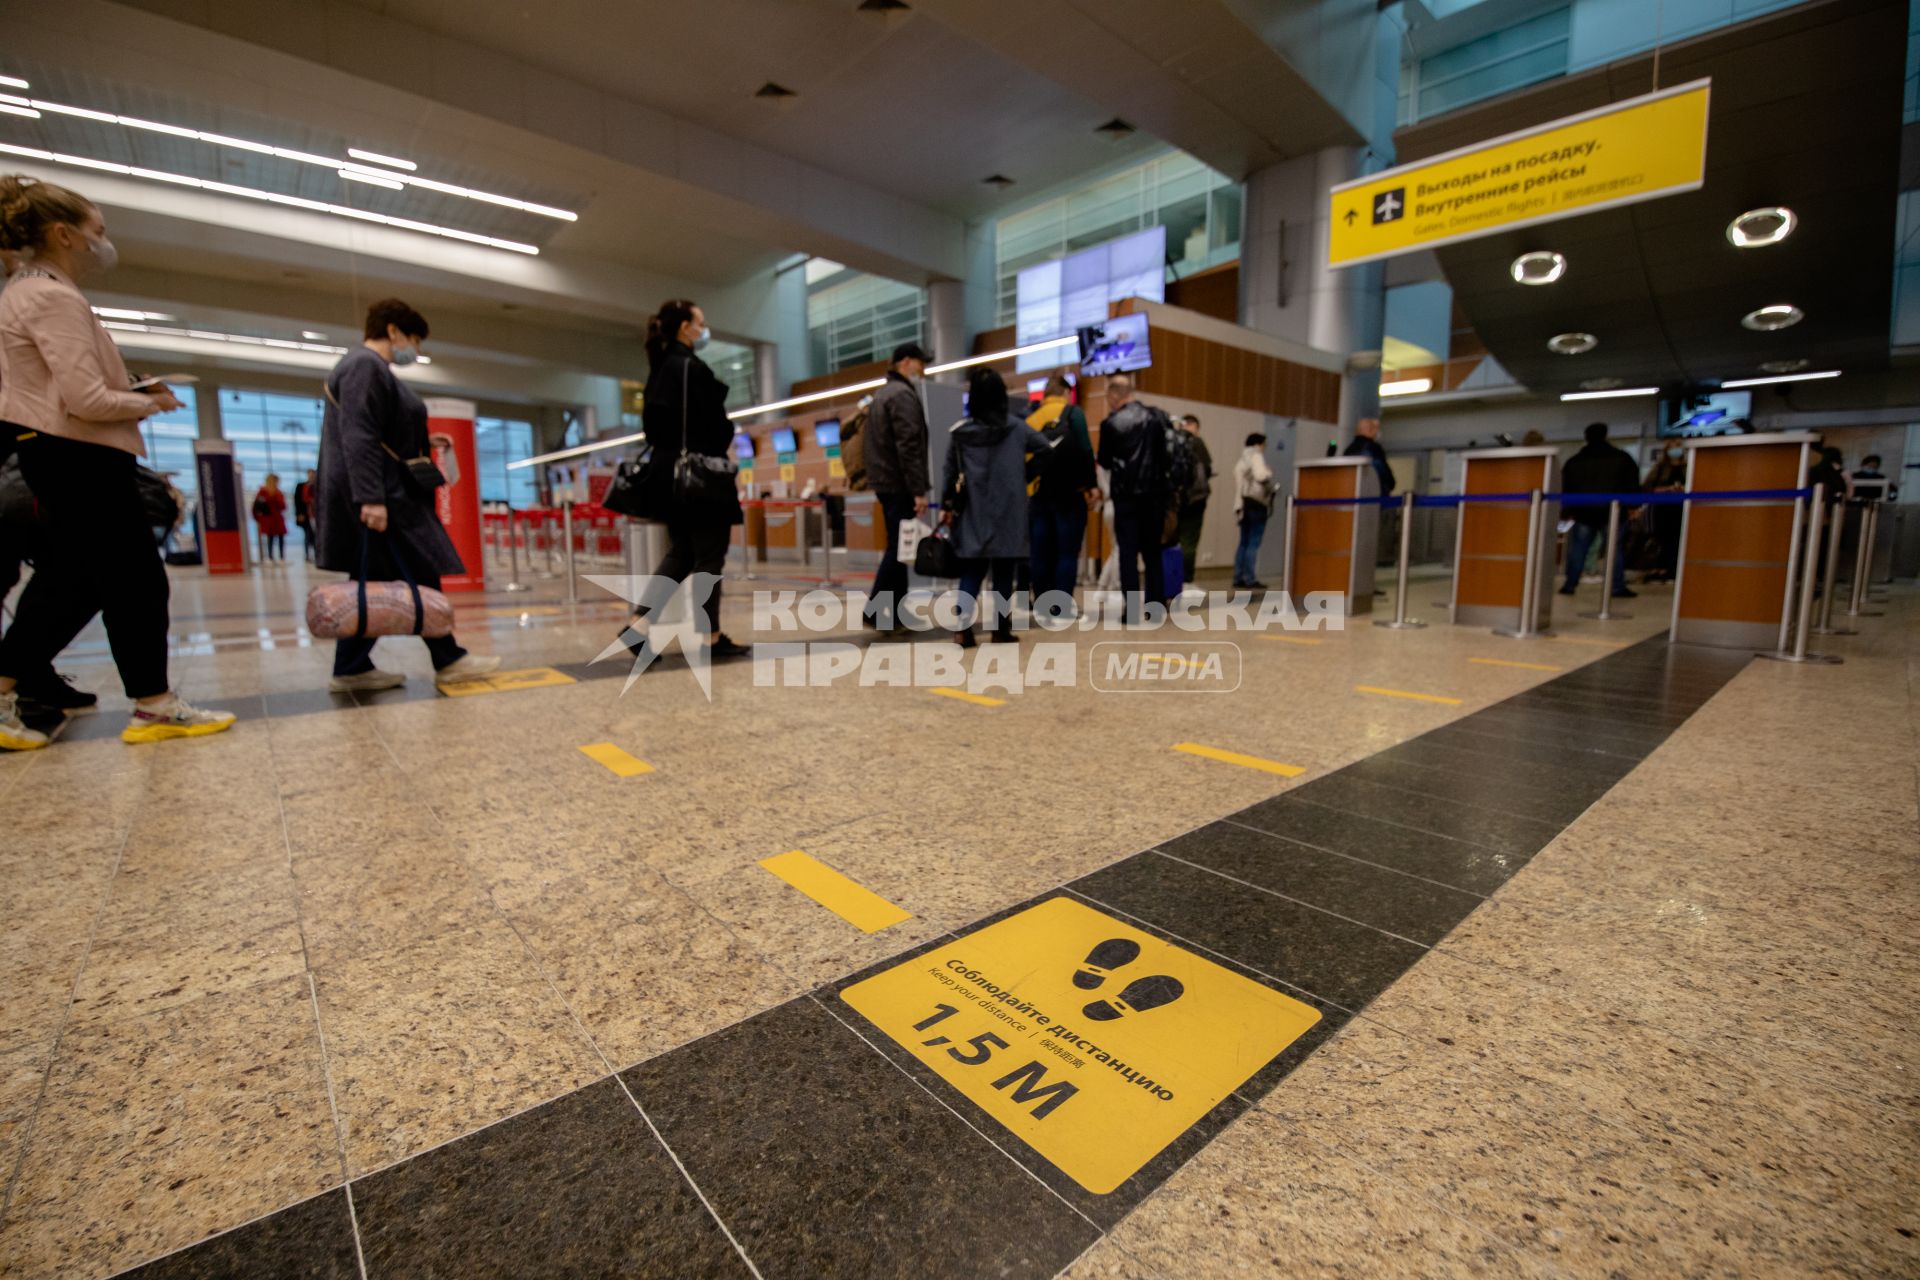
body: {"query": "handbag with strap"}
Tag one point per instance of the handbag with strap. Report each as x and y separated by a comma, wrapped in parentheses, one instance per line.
(935, 556)
(357, 609)
(423, 473)
(700, 478)
(629, 494)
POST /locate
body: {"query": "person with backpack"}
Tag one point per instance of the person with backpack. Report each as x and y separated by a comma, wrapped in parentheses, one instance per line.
(1134, 452)
(895, 454)
(1058, 497)
(1193, 497)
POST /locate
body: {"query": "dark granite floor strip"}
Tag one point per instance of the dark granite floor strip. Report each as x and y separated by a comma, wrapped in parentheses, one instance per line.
(814, 1145)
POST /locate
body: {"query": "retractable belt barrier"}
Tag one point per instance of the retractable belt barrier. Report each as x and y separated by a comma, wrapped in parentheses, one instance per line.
(1564, 499)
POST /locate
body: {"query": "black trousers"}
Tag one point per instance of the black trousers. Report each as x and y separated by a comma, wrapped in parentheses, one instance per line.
(353, 655)
(98, 557)
(695, 544)
(1137, 526)
(890, 581)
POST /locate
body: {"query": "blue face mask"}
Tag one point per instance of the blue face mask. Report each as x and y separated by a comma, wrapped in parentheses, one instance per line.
(706, 336)
(404, 356)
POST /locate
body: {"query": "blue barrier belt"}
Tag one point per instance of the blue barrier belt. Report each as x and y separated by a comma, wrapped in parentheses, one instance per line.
(1566, 499)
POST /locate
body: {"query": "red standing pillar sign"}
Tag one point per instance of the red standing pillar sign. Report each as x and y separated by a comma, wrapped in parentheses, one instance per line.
(223, 535)
(450, 427)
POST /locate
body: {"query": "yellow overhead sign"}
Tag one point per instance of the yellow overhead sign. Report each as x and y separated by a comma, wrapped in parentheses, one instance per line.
(1635, 150)
(1096, 1043)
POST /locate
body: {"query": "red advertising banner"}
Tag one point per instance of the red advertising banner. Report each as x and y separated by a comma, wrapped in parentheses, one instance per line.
(457, 502)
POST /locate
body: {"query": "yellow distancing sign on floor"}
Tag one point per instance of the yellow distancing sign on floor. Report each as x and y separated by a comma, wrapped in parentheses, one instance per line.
(1095, 1043)
(1653, 145)
(507, 681)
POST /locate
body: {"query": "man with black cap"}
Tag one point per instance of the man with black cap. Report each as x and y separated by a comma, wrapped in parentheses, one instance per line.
(896, 457)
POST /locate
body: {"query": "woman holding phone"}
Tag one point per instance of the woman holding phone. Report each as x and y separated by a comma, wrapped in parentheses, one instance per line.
(65, 397)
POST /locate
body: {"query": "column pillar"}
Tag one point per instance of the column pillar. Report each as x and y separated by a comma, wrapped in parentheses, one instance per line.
(947, 334)
(206, 410)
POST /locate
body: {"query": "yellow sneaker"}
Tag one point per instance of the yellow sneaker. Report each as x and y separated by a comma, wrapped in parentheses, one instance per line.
(14, 734)
(174, 718)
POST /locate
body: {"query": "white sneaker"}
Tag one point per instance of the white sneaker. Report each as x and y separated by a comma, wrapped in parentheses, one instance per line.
(470, 666)
(366, 682)
(14, 735)
(174, 718)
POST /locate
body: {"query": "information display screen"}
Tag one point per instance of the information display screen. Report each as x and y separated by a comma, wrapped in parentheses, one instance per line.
(742, 445)
(783, 441)
(826, 433)
(1118, 346)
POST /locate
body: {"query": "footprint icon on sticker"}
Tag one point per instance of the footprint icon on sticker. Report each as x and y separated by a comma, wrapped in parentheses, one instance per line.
(1114, 953)
(1139, 996)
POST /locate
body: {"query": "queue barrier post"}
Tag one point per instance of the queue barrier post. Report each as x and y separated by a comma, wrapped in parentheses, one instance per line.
(566, 532)
(1830, 579)
(1401, 622)
(1530, 568)
(826, 548)
(1809, 571)
(1873, 539)
(1862, 558)
(1606, 613)
(1286, 568)
(513, 549)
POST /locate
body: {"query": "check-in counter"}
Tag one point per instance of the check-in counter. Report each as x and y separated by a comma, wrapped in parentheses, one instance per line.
(1490, 547)
(1331, 547)
(866, 528)
(1737, 557)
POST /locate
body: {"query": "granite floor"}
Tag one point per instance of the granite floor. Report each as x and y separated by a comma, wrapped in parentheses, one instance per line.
(1610, 945)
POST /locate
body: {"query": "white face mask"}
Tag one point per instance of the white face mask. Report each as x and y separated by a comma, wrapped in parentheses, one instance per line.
(706, 336)
(105, 256)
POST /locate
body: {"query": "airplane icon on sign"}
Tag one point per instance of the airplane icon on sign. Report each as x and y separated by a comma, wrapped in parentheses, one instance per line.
(1390, 206)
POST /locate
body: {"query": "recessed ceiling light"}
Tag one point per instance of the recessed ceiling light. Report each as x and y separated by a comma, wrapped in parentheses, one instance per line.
(771, 92)
(1572, 344)
(1602, 384)
(1542, 266)
(1116, 129)
(1781, 315)
(1758, 227)
(1783, 377)
(1407, 387)
(1610, 395)
(998, 180)
(1785, 366)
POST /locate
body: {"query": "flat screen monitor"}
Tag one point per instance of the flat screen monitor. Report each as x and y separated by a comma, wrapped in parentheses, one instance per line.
(1712, 415)
(783, 441)
(826, 433)
(1118, 346)
(743, 446)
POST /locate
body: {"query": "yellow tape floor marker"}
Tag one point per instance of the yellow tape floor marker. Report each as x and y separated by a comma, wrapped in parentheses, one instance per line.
(1291, 639)
(977, 699)
(1094, 1042)
(848, 899)
(1524, 666)
(1403, 693)
(1235, 757)
(508, 681)
(614, 758)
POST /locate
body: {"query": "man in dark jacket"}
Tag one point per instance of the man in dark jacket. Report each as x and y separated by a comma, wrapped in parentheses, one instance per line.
(1597, 468)
(896, 458)
(1133, 452)
(1366, 441)
(1193, 503)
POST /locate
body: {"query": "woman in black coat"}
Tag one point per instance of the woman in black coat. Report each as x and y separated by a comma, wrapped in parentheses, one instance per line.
(369, 509)
(985, 501)
(686, 407)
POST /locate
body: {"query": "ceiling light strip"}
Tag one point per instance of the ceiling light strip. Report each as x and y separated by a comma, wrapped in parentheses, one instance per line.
(855, 388)
(1780, 377)
(1622, 393)
(373, 180)
(271, 197)
(374, 157)
(12, 110)
(14, 82)
(210, 335)
(288, 153)
(1406, 387)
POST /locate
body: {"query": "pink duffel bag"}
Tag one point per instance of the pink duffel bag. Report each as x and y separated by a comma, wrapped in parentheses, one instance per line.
(347, 610)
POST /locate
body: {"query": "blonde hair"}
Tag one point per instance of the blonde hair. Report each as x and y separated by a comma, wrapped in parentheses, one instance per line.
(29, 207)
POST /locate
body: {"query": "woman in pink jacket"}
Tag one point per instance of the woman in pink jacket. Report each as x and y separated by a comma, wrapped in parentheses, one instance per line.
(64, 395)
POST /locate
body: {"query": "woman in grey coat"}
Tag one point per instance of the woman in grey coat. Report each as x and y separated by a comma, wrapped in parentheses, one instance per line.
(371, 512)
(985, 500)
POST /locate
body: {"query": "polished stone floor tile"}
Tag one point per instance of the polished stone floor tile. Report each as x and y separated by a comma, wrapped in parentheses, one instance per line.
(312, 1240)
(824, 1159)
(1108, 1261)
(1548, 748)
(158, 1130)
(1501, 832)
(577, 1187)
(1472, 867)
(1533, 724)
(22, 1073)
(1420, 910)
(1335, 959)
(435, 1040)
(1481, 790)
(1527, 775)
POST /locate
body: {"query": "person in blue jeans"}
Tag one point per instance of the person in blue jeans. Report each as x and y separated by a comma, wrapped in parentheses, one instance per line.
(1057, 497)
(1252, 503)
(1599, 467)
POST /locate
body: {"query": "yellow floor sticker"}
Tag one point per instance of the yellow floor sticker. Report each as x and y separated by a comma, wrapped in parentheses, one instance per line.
(977, 699)
(1524, 666)
(848, 899)
(1403, 693)
(622, 763)
(1235, 757)
(1094, 1043)
(508, 681)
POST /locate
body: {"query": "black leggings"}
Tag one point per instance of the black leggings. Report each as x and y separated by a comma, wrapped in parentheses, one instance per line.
(97, 556)
(696, 544)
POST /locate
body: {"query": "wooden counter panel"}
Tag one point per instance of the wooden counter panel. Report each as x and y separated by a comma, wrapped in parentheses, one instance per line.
(1723, 531)
(1732, 593)
(1491, 582)
(1506, 475)
(1322, 571)
(1760, 466)
(1326, 482)
(1496, 527)
(1323, 529)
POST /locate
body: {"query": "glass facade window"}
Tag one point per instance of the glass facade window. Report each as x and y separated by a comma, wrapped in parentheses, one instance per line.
(1199, 207)
(1525, 53)
(496, 442)
(170, 438)
(854, 318)
(272, 432)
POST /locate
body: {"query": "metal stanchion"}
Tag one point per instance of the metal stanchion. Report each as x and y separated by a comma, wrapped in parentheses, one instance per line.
(1862, 558)
(1606, 613)
(1530, 571)
(547, 524)
(826, 549)
(630, 543)
(1400, 620)
(1830, 580)
(566, 531)
(1286, 563)
(1809, 571)
(513, 550)
(1873, 538)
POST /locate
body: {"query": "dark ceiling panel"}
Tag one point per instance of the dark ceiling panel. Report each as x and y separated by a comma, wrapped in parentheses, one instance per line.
(1805, 112)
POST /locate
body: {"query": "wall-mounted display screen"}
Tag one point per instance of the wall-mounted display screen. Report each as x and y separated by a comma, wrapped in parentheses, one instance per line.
(1118, 346)
(826, 433)
(1712, 415)
(742, 445)
(783, 441)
